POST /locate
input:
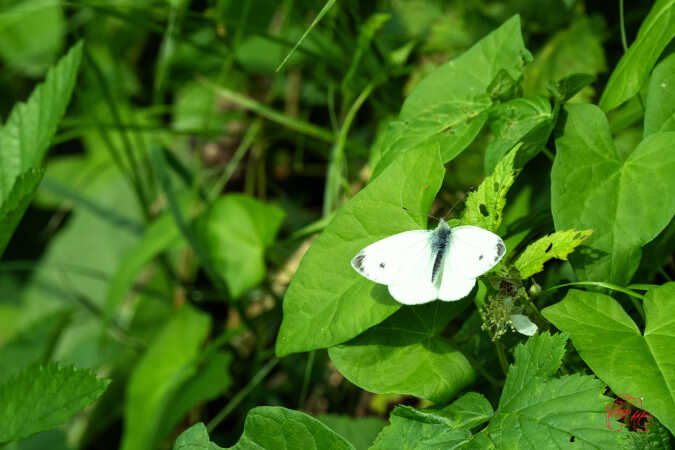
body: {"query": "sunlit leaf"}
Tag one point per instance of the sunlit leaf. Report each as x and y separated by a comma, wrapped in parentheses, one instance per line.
(555, 245)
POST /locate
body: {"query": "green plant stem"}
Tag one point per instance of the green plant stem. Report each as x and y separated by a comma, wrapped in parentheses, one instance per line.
(306, 378)
(622, 28)
(631, 294)
(270, 114)
(664, 274)
(334, 178)
(246, 143)
(241, 395)
(501, 354)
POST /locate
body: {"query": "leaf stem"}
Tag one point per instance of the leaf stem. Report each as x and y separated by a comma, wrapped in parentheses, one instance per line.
(501, 354)
(305, 381)
(241, 395)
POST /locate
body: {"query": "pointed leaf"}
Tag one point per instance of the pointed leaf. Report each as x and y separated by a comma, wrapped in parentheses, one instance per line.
(555, 245)
(629, 361)
(660, 104)
(327, 302)
(594, 187)
(43, 397)
(195, 438)
(657, 30)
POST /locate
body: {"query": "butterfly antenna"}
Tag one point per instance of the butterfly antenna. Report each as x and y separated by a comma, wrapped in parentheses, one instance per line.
(420, 213)
(452, 208)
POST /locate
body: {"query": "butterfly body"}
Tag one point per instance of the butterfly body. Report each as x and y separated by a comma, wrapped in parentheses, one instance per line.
(420, 266)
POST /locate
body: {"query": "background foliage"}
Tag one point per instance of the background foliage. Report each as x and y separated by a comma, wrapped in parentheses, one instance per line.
(183, 185)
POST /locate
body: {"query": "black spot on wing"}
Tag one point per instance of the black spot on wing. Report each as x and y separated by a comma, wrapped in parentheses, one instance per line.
(357, 262)
(480, 258)
(500, 250)
(381, 265)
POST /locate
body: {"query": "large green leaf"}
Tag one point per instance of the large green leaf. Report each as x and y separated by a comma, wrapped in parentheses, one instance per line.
(657, 30)
(626, 201)
(449, 106)
(538, 411)
(235, 232)
(327, 302)
(273, 427)
(640, 364)
(43, 397)
(25, 137)
(435, 428)
(660, 105)
(166, 365)
(528, 120)
(405, 355)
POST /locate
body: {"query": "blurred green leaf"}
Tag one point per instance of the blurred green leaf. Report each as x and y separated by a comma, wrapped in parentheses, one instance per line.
(406, 355)
(159, 236)
(527, 120)
(43, 397)
(433, 428)
(593, 187)
(612, 345)
(31, 34)
(273, 427)
(26, 135)
(660, 104)
(632, 71)
(195, 438)
(577, 49)
(31, 345)
(449, 106)
(211, 380)
(360, 432)
(484, 206)
(327, 302)
(539, 411)
(555, 245)
(234, 232)
(167, 364)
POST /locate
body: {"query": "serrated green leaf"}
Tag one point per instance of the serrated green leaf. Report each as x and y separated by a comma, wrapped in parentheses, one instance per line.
(327, 302)
(660, 104)
(527, 120)
(594, 187)
(614, 348)
(485, 205)
(632, 71)
(555, 245)
(25, 137)
(537, 411)
(433, 428)
(235, 232)
(449, 107)
(43, 397)
(195, 438)
(274, 427)
(166, 365)
(360, 432)
(406, 355)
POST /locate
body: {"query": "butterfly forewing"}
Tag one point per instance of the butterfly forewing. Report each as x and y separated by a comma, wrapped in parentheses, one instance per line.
(473, 251)
(386, 260)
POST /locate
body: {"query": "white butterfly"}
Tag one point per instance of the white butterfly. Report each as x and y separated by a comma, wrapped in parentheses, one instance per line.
(424, 265)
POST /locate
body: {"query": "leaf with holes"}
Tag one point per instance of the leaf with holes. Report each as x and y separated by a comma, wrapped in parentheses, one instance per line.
(555, 245)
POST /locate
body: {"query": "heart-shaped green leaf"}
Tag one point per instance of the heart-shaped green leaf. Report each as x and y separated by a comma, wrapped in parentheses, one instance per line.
(640, 364)
(594, 187)
(327, 302)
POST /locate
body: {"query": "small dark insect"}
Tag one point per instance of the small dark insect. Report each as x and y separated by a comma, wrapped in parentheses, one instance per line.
(548, 249)
(483, 210)
(572, 439)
